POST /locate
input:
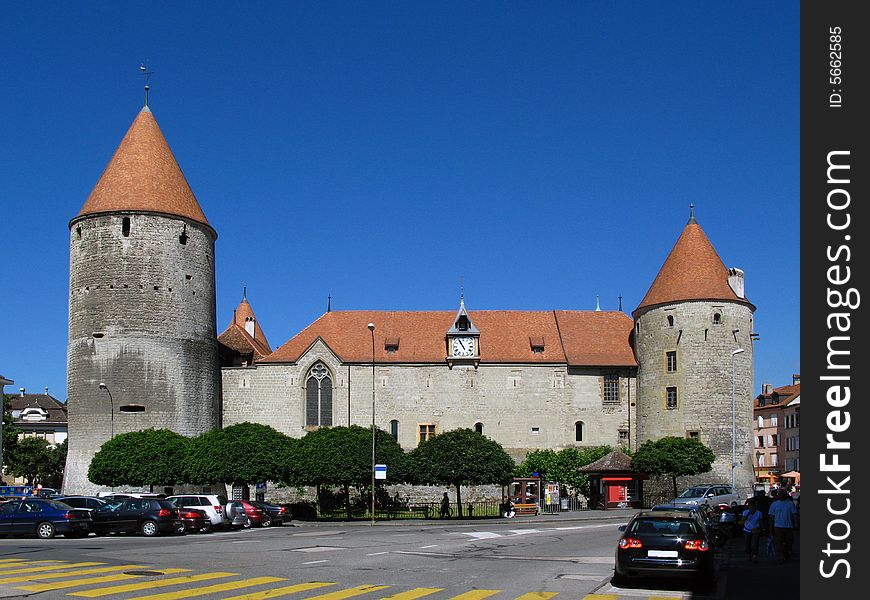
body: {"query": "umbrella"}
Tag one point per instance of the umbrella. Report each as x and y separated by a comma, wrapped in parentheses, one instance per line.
(792, 475)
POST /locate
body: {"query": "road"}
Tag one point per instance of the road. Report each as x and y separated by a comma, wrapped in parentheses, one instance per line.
(522, 558)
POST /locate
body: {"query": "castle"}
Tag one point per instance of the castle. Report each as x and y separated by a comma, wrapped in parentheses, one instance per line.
(144, 350)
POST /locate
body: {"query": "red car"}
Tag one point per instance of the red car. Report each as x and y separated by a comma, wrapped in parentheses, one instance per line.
(242, 513)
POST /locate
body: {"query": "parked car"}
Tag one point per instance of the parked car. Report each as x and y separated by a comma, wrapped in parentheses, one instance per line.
(709, 494)
(147, 515)
(664, 543)
(717, 522)
(275, 515)
(242, 513)
(44, 518)
(212, 505)
(195, 520)
(88, 502)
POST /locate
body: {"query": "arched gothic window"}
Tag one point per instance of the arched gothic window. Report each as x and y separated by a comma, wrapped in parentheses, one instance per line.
(478, 427)
(394, 429)
(578, 431)
(318, 397)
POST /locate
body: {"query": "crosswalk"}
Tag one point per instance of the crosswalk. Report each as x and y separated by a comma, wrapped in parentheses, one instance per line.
(143, 582)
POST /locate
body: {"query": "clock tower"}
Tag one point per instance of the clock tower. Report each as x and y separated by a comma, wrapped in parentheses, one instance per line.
(463, 339)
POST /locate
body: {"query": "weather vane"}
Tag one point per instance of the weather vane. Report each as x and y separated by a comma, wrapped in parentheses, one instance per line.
(147, 75)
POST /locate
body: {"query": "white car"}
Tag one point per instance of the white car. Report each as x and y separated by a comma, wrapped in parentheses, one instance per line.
(211, 505)
(709, 494)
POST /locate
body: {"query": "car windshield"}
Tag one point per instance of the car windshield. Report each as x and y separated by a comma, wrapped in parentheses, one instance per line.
(695, 492)
(663, 526)
(58, 505)
(679, 507)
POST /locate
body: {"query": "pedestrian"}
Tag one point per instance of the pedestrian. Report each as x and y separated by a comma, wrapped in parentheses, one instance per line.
(445, 506)
(782, 515)
(762, 502)
(752, 519)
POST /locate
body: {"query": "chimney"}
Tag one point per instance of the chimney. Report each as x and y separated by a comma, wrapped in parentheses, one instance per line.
(22, 392)
(46, 390)
(766, 388)
(250, 327)
(796, 379)
(735, 280)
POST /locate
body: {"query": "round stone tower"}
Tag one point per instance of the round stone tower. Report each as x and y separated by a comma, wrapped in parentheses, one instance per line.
(142, 335)
(692, 327)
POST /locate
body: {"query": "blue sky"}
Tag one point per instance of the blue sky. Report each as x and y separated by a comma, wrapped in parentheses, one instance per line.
(385, 153)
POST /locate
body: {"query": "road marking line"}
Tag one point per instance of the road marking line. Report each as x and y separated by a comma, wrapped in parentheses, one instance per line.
(17, 562)
(59, 585)
(537, 596)
(377, 553)
(413, 594)
(318, 549)
(475, 595)
(51, 568)
(40, 577)
(348, 593)
(315, 562)
(482, 535)
(283, 591)
(211, 589)
(134, 587)
(429, 546)
(524, 531)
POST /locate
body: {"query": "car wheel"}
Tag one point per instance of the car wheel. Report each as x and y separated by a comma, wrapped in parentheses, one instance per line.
(45, 530)
(150, 529)
(267, 522)
(247, 524)
(618, 580)
(207, 528)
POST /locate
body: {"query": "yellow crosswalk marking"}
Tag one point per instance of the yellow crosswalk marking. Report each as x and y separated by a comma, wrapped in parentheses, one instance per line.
(349, 592)
(95, 570)
(211, 589)
(476, 595)
(537, 596)
(282, 591)
(601, 597)
(135, 587)
(59, 585)
(49, 568)
(413, 594)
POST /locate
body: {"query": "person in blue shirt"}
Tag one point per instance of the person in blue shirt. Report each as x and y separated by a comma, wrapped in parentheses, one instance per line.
(782, 515)
(752, 521)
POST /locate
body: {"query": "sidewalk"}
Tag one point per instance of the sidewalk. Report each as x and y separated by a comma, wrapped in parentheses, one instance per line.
(765, 579)
(621, 514)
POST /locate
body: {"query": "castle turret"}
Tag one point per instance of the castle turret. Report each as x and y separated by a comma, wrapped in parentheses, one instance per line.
(692, 326)
(142, 335)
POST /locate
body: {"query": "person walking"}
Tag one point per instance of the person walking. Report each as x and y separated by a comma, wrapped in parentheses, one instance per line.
(445, 506)
(782, 515)
(752, 520)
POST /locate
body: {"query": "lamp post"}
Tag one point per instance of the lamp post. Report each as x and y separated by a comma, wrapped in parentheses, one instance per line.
(733, 419)
(103, 386)
(372, 330)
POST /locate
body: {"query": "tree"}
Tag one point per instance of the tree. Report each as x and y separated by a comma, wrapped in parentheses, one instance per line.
(10, 433)
(460, 457)
(31, 459)
(342, 456)
(563, 466)
(674, 457)
(240, 454)
(139, 458)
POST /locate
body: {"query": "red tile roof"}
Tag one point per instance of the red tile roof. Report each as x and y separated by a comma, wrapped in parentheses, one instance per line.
(235, 336)
(784, 395)
(692, 271)
(143, 175)
(589, 338)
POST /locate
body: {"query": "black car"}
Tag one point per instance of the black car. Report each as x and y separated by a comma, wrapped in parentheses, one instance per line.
(664, 543)
(88, 502)
(149, 516)
(44, 518)
(275, 515)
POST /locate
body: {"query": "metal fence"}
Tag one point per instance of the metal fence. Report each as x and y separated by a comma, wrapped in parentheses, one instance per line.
(308, 511)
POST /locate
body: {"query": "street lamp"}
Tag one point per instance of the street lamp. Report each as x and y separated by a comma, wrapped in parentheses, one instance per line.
(103, 386)
(372, 330)
(733, 419)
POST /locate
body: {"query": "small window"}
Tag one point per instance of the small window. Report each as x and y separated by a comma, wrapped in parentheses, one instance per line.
(394, 429)
(536, 430)
(717, 318)
(672, 361)
(670, 320)
(637, 327)
(537, 344)
(125, 227)
(671, 398)
(693, 435)
(478, 427)
(425, 431)
(623, 436)
(578, 431)
(79, 232)
(182, 239)
(391, 345)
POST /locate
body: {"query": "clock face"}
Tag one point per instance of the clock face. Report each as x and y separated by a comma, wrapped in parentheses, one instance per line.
(463, 346)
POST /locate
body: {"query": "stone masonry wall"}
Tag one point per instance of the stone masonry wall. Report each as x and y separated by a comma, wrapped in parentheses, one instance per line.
(142, 320)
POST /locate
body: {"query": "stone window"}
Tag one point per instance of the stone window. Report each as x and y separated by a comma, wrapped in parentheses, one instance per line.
(318, 397)
(693, 435)
(125, 227)
(578, 431)
(717, 318)
(670, 320)
(672, 361)
(611, 388)
(622, 437)
(394, 429)
(671, 398)
(478, 427)
(425, 431)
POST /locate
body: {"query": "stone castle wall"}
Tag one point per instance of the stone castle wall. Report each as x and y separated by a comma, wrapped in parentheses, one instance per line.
(142, 321)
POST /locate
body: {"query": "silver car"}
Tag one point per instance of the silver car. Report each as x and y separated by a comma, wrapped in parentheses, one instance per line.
(709, 494)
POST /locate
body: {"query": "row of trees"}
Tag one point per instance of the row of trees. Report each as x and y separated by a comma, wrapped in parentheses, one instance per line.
(249, 453)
